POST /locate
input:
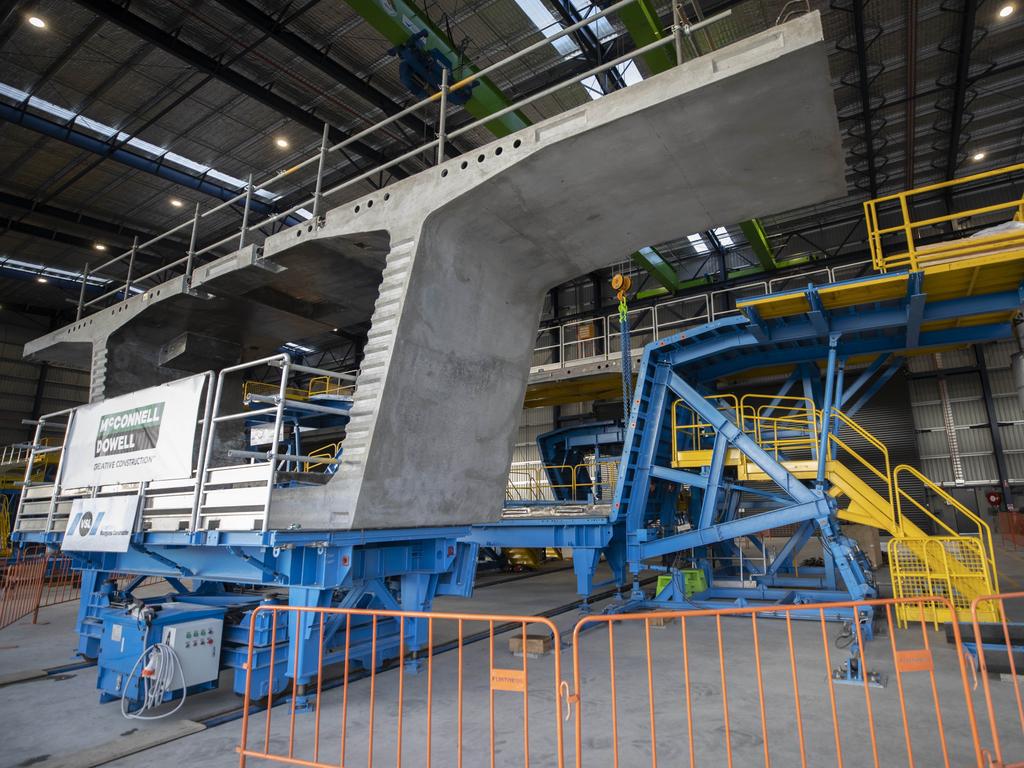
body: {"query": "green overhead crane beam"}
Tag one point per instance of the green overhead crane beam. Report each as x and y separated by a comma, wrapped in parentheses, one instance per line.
(398, 20)
(641, 21)
(753, 230)
(660, 270)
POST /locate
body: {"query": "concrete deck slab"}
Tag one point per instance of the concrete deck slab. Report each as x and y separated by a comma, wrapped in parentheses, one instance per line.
(461, 256)
(475, 244)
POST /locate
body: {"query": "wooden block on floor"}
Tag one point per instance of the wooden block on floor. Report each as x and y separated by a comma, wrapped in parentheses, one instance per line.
(536, 645)
(660, 621)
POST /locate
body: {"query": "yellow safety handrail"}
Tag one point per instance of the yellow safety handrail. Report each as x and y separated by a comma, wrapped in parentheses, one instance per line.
(328, 451)
(328, 385)
(536, 480)
(695, 426)
(795, 415)
(984, 531)
(885, 476)
(909, 254)
(5, 525)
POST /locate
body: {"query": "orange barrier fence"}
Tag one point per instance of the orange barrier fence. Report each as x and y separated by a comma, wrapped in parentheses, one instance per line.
(993, 644)
(729, 687)
(21, 584)
(460, 707)
(718, 688)
(36, 578)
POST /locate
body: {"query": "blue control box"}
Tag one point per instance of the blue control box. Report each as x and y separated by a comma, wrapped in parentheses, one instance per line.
(193, 632)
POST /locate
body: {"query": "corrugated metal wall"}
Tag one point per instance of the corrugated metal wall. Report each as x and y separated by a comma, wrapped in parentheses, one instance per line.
(952, 421)
(19, 378)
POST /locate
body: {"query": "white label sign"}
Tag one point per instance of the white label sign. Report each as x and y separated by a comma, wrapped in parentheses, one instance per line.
(141, 436)
(101, 525)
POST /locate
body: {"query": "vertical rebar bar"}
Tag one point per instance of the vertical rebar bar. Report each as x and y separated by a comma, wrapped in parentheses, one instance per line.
(245, 213)
(192, 245)
(324, 145)
(442, 115)
(131, 266)
(81, 293)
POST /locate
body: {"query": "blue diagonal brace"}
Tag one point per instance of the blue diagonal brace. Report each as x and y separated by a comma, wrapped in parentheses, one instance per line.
(733, 529)
(894, 366)
(786, 481)
(711, 494)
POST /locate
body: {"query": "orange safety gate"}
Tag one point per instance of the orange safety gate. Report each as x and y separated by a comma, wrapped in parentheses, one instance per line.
(460, 689)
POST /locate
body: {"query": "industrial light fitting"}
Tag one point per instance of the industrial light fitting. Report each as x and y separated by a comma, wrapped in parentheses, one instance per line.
(41, 279)
(37, 22)
(99, 246)
(281, 142)
(978, 156)
(1006, 10)
(176, 202)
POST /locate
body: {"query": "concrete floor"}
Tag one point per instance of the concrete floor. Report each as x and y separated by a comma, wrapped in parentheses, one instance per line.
(56, 720)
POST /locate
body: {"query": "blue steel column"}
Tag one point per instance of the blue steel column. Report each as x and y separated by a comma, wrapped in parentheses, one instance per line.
(826, 408)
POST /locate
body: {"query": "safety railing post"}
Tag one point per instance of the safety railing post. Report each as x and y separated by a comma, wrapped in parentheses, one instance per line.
(245, 213)
(131, 267)
(677, 31)
(442, 115)
(81, 293)
(192, 245)
(318, 194)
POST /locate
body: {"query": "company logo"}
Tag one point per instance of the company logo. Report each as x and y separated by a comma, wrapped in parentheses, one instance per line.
(87, 525)
(136, 429)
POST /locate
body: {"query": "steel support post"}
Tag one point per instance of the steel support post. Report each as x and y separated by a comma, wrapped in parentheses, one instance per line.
(245, 211)
(993, 425)
(81, 293)
(318, 195)
(677, 32)
(442, 115)
(192, 245)
(131, 267)
(826, 408)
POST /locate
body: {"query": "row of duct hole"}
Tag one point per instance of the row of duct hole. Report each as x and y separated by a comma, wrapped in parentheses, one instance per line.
(481, 157)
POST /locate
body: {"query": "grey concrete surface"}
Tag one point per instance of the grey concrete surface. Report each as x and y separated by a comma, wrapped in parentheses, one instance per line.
(56, 718)
(460, 257)
(446, 367)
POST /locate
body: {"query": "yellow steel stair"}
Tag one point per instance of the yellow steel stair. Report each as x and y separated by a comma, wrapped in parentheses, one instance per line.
(951, 565)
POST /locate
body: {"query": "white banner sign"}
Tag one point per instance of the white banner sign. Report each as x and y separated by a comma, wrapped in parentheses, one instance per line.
(101, 524)
(141, 436)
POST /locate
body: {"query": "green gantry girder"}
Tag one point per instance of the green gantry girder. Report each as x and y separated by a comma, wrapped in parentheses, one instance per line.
(398, 20)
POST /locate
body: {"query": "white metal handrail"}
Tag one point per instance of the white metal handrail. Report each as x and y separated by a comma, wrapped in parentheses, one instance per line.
(605, 345)
(246, 195)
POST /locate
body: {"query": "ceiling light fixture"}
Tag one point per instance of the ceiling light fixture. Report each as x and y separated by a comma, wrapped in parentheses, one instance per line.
(281, 142)
(978, 156)
(1006, 10)
(176, 202)
(99, 246)
(36, 22)
(41, 279)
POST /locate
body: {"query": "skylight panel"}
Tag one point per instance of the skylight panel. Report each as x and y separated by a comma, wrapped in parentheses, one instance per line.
(723, 236)
(698, 243)
(547, 25)
(41, 269)
(600, 27)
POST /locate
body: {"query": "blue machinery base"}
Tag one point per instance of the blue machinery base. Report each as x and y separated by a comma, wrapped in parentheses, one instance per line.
(635, 531)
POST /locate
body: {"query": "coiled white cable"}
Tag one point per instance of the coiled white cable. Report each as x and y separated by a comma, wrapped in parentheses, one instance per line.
(164, 662)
